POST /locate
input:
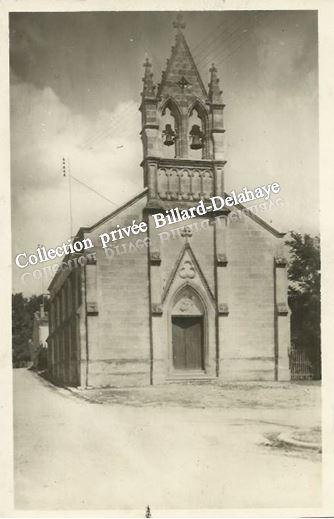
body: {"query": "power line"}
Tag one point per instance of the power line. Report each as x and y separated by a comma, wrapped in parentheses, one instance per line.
(221, 40)
(101, 131)
(112, 118)
(232, 30)
(230, 36)
(102, 134)
(233, 37)
(97, 192)
(94, 191)
(224, 58)
(211, 34)
(108, 133)
(225, 42)
(97, 139)
(228, 57)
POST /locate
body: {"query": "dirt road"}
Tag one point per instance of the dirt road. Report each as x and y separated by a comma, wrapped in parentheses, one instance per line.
(73, 454)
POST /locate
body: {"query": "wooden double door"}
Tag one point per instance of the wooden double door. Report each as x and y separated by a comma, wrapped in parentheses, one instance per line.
(188, 346)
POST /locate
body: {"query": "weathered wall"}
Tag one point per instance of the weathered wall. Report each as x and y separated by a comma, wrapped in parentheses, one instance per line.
(247, 334)
(250, 343)
(66, 317)
(118, 306)
(239, 274)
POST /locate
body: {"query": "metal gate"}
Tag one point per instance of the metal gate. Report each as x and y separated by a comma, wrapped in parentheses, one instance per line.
(300, 366)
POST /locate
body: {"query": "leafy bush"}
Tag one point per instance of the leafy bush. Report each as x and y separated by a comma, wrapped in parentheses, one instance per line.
(304, 297)
(23, 310)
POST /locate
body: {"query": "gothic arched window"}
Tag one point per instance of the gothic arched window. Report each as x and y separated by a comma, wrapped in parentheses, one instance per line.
(197, 131)
(170, 127)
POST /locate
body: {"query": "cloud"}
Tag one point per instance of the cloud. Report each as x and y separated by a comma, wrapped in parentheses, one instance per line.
(272, 120)
(104, 153)
(44, 130)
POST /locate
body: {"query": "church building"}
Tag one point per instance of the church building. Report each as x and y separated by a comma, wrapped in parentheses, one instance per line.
(204, 300)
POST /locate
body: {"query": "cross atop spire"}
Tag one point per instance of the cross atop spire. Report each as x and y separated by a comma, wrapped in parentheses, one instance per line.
(179, 24)
(181, 78)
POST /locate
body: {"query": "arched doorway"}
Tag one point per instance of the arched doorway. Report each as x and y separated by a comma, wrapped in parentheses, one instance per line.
(188, 322)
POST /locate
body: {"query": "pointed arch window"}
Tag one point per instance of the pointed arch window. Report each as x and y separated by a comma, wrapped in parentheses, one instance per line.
(198, 130)
(170, 129)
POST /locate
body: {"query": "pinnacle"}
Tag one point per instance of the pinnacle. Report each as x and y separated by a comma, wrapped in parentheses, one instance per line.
(149, 87)
(214, 90)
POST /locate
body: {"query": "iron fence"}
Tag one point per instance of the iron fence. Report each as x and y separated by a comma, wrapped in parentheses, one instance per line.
(301, 367)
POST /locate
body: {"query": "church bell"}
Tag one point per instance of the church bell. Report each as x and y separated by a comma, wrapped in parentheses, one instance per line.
(169, 135)
(196, 137)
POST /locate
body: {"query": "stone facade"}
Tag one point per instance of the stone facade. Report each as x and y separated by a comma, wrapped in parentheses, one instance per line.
(204, 301)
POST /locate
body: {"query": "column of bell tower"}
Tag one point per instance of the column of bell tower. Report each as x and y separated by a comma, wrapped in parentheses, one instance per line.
(216, 110)
(150, 128)
(217, 129)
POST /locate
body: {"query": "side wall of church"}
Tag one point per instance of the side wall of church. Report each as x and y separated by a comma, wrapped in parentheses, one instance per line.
(66, 340)
(118, 306)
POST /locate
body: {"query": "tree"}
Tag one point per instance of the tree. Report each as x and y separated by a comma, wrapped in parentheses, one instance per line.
(304, 296)
(21, 330)
(23, 310)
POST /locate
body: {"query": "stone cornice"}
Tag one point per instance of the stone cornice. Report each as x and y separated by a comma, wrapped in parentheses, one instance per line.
(183, 162)
(216, 106)
(149, 126)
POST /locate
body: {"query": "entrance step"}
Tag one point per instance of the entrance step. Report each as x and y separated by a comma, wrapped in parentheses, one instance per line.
(191, 379)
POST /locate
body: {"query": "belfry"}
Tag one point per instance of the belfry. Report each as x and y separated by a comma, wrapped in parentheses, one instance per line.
(202, 301)
(182, 131)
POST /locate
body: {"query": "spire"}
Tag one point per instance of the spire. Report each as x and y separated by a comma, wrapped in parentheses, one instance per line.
(181, 77)
(149, 87)
(214, 90)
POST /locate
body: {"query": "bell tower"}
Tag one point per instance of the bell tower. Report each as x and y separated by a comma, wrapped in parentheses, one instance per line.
(182, 131)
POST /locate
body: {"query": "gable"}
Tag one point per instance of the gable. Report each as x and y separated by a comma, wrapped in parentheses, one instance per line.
(186, 271)
(124, 214)
(117, 213)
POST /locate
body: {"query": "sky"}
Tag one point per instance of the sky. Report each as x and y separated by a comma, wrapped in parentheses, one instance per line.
(75, 90)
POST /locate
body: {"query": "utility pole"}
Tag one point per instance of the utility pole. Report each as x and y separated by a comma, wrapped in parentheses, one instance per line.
(67, 172)
(42, 278)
